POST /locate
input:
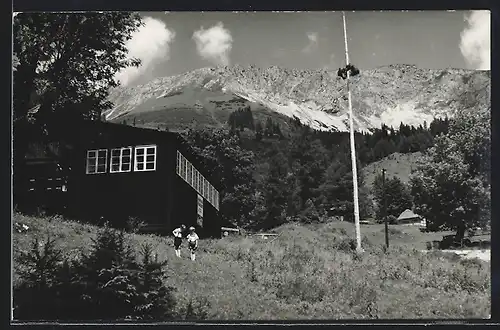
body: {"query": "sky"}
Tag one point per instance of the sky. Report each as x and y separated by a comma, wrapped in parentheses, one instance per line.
(172, 43)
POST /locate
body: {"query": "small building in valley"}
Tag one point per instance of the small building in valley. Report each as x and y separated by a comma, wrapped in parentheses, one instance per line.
(119, 172)
(408, 217)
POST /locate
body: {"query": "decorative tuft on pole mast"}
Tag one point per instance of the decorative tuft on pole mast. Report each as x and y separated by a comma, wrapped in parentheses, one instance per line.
(349, 70)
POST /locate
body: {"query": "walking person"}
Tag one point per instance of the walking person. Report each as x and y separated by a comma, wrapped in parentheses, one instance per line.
(178, 239)
(192, 238)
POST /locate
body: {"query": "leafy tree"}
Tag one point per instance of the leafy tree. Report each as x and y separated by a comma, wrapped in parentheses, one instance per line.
(275, 191)
(451, 187)
(259, 131)
(230, 167)
(309, 162)
(310, 213)
(277, 130)
(336, 191)
(397, 196)
(67, 64)
(383, 148)
(269, 127)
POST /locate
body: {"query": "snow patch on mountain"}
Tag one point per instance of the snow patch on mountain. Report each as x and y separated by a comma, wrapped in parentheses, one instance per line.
(388, 95)
(406, 113)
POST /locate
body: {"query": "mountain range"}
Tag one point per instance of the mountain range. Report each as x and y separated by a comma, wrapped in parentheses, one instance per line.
(389, 95)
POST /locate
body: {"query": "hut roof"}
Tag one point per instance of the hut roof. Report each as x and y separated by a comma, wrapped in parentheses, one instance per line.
(407, 214)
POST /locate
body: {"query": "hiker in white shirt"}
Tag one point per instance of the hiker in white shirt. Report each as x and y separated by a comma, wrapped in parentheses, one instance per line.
(192, 238)
(178, 239)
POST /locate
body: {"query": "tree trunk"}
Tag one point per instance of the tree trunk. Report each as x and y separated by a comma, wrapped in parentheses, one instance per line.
(460, 231)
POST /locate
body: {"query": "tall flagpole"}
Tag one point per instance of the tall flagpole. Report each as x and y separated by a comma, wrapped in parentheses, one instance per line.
(353, 148)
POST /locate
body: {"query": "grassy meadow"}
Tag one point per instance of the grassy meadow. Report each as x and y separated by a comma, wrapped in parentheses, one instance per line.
(306, 272)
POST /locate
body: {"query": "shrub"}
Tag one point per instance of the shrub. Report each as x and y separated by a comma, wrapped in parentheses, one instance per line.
(106, 284)
(196, 309)
(392, 220)
(39, 276)
(134, 224)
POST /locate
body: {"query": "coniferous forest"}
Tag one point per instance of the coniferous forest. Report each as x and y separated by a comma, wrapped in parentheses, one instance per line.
(270, 177)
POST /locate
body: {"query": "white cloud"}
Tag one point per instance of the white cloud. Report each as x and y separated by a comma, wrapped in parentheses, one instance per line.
(475, 43)
(214, 44)
(151, 44)
(313, 42)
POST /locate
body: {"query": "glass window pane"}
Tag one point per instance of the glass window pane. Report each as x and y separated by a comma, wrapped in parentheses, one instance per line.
(140, 159)
(101, 168)
(140, 166)
(126, 152)
(115, 152)
(150, 166)
(150, 158)
(126, 167)
(102, 153)
(115, 167)
(91, 153)
(151, 151)
(178, 162)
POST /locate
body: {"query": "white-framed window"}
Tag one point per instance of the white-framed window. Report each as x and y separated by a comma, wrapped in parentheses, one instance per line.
(216, 200)
(193, 178)
(121, 160)
(188, 174)
(198, 182)
(97, 161)
(184, 168)
(181, 167)
(178, 166)
(210, 195)
(205, 188)
(145, 158)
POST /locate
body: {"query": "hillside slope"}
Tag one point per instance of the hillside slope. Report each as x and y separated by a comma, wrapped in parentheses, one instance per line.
(307, 272)
(390, 95)
(397, 164)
